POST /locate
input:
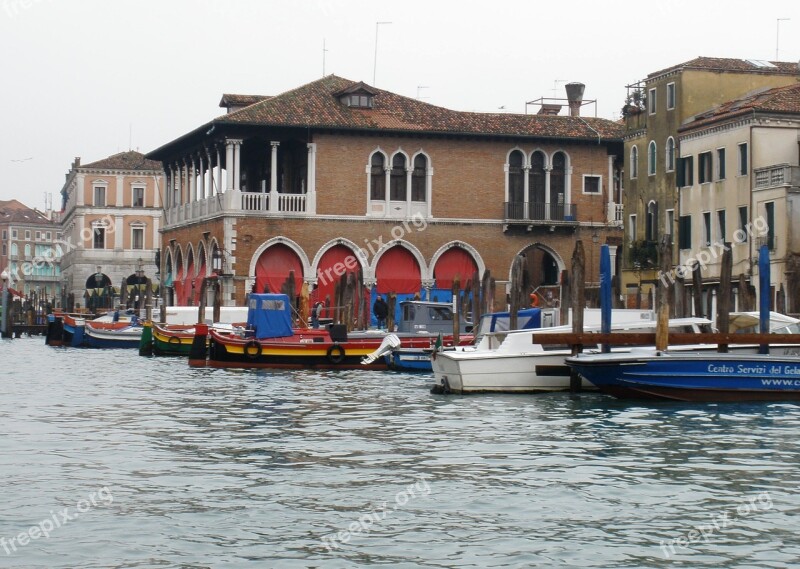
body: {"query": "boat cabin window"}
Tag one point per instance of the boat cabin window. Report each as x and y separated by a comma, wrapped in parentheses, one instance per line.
(687, 329)
(438, 313)
(409, 311)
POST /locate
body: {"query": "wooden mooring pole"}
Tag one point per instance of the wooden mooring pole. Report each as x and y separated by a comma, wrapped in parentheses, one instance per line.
(578, 303)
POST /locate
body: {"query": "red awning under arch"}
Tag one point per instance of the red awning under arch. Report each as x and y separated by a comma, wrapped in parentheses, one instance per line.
(456, 261)
(186, 294)
(198, 281)
(336, 261)
(273, 267)
(398, 272)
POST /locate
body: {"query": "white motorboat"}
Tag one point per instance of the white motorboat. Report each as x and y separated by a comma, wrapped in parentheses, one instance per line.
(512, 362)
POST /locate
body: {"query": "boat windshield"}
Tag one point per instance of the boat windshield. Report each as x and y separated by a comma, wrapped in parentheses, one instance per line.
(501, 322)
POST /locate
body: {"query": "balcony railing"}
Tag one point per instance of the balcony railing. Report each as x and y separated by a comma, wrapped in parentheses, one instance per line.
(540, 211)
(273, 203)
(777, 176)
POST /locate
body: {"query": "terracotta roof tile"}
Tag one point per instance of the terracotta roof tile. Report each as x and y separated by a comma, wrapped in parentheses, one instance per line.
(13, 211)
(316, 105)
(728, 64)
(777, 100)
(130, 160)
(232, 100)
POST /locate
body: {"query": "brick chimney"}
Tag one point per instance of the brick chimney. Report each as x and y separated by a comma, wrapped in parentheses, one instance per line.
(575, 98)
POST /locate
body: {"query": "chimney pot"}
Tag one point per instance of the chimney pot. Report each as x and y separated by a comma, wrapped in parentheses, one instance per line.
(575, 98)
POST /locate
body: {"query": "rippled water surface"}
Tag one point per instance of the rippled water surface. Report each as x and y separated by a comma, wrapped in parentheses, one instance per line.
(126, 461)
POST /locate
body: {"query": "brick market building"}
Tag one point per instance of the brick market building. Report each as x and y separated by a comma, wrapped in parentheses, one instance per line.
(338, 175)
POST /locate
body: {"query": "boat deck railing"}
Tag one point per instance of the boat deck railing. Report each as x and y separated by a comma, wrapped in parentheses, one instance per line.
(722, 340)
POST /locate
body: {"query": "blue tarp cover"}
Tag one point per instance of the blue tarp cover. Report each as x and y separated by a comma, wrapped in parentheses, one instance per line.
(269, 315)
(528, 318)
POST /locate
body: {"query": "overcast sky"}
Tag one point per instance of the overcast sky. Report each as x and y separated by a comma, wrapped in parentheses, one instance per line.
(91, 78)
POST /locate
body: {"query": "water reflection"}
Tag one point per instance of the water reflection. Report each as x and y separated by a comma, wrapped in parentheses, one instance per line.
(214, 467)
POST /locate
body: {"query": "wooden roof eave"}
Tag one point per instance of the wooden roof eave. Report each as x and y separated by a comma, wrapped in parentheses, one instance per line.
(593, 138)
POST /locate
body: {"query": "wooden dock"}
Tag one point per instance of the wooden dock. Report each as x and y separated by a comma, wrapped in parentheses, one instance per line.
(17, 330)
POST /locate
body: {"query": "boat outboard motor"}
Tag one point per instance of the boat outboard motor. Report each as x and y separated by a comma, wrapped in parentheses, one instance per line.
(390, 342)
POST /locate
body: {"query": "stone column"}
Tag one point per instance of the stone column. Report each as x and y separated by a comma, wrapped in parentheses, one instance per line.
(526, 184)
(311, 189)
(409, 171)
(237, 164)
(210, 186)
(506, 169)
(191, 172)
(273, 178)
(185, 183)
(612, 252)
(429, 190)
(220, 187)
(167, 187)
(548, 198)
(388, 193)
(201, 178)
(230, 169)
(428, 285)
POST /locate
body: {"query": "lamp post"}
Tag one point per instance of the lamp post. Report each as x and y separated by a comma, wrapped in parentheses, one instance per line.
(216, 262)
(217, 269)
(5, 332)
(98, 285)
(139, 281)
(64, 284)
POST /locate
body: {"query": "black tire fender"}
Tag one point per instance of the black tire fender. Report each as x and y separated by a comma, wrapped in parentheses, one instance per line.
(252, 350)
(336, 354)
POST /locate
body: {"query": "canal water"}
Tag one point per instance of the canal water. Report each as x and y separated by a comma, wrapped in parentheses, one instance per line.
(109, 459)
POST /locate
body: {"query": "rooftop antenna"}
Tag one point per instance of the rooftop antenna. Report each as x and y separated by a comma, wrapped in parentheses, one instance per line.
(555, 85)
(375, 61)
(130, 137)
(778, 36)
(323, 56)
(421, 87)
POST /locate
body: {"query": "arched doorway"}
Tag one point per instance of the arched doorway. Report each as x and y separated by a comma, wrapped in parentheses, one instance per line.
(274, 266)
(169, 280)
(337, 261)
(99, 294)
(397, 272)
(179, 294)
(200, 275)
(543, 274)
(455, 262)
(186, 293)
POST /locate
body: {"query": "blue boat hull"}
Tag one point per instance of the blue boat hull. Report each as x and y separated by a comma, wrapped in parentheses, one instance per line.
(408, 359)
(127, 338)
(693, 377)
